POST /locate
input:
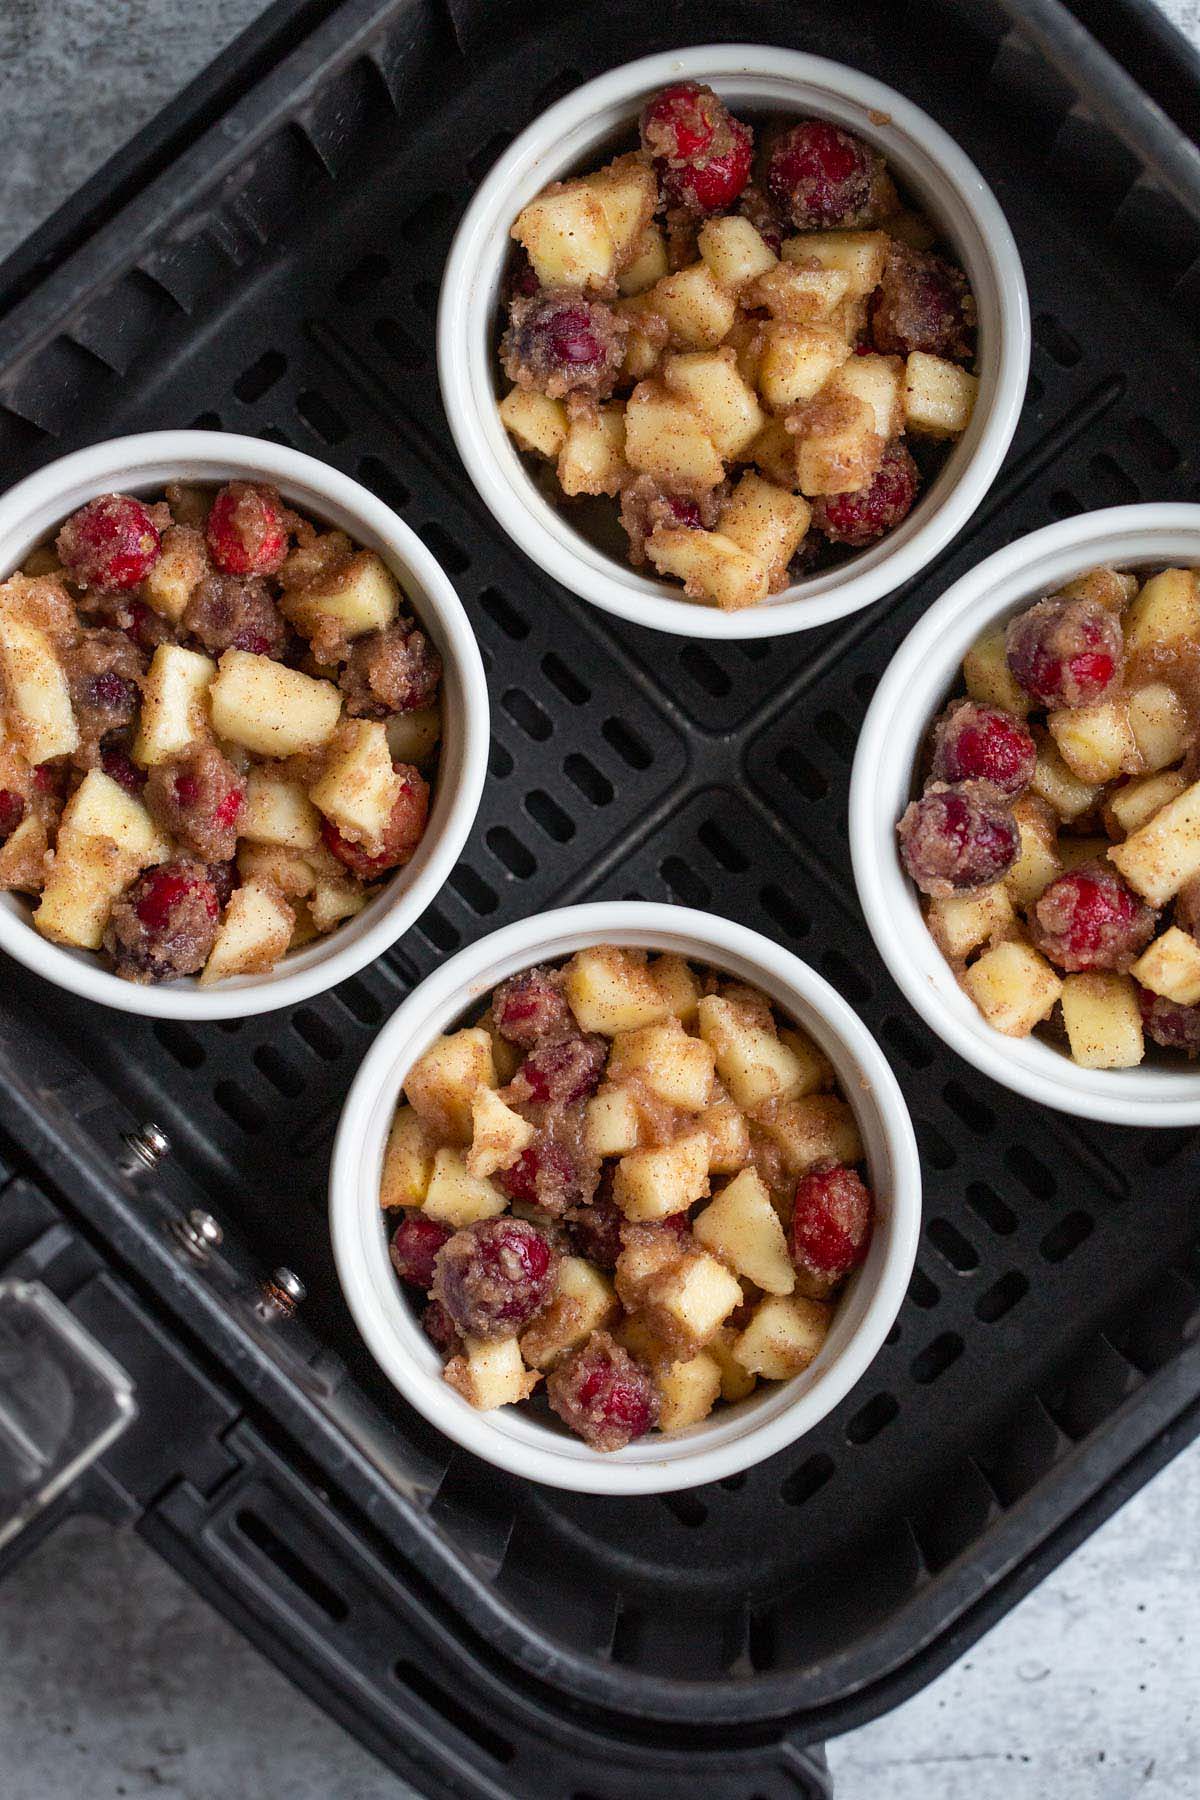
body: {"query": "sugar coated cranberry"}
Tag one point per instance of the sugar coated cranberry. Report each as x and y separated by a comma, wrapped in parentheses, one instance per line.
(1089, 919)
(561, 343)
(702, 154)
(1173, 1026)
(831, 1222)
(439, 1328)
(529, 1006)
(246, 530)
(1065, 652)
(602, 1395)
(164, 924)
(595, 1230)
(120, 767)
(819, 175)
(954, 838)
(870, 513)
(12, 811)
(684, 513)
(405, 829)
(545, 1175)
(163, 887)
(112, 543)
(562, 1071)
(923, 303)
(224, 877)
(494, 1276)
(414, 1246)
(983, 743)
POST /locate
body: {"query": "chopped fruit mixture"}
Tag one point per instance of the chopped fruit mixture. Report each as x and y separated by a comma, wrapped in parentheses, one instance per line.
(218, 729)
(1057, 839)
(631, 1177)
(759, 359)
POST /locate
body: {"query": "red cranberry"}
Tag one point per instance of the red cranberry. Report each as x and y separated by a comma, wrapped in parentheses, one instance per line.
(982, 743)
(545, 1175)
(119, 766)
(495, 1276)
(112, 693)
(415, 1244)
(112, 543)
(12, 811)
(246, 530)
(595, 1230)
(685, 514)
(870, 513)
(405, 829)
(923, 303)
(1173, 1026)
(522, 282)
(529, 1006)
(562, 343)
(164, 924)
(439, 1328)
(224, 877)
(819, 175)
(163, 887)
(831, 1222)
(145, 627)
(958, 837)
(228, 811)
(562, 1071)
(1089, 919)
(48, 778)
(1065, 652)
(702, 154)
(602, 1395)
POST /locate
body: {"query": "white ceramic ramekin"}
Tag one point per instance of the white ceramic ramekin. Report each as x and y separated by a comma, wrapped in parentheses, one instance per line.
(918, 680)
(581, 129)
(143, 465)
(736, 1436)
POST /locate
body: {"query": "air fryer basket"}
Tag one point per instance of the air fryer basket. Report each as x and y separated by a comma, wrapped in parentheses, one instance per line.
(280, 277)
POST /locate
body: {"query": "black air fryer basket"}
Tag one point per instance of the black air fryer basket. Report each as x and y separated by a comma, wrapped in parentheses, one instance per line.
(266, 259)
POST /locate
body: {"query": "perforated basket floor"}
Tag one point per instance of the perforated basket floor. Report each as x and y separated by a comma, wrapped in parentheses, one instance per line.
(282, 281)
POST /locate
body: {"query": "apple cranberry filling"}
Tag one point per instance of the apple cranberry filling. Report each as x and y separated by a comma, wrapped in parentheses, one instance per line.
(1057, 840)
(760, 361)
(633, 1179)
(215, 719)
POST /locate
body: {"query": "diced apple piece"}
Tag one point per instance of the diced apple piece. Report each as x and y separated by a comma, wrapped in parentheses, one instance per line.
(490, 1373)
(697, 309)
(253, 934)
(441, 1084)
(784, 1336)
(455, 1196)
(878, 381)
(1165, 611)
(688, 1391)
(174, 711)
(85, 877)
(645, 339)
(538, 423)
(1054, 782)
(1096, 742)
(728, 1137)
(1103, 1023)
(774, 452)
(960, 923)
(695, 1296)
(583, 1302)
(736, 1382)
(734, 251)
(939, 396)
(101, 808)
(610, 990)
(1164, 853)
(840, 452)
(333, 901)
(566, 236)
(291, 871)
(709, 382)
(673, 1065)
(359, 786)
(1038, 860)
(767, 522)
(816, 1068)
(271, 709)
(23, 858)
(413, 736)
(358, 595)
(796, 362)
(710, 565)
(752, 1060)
(1107, 587)
(742, 1227)
(1171, 967)
(278, 811)
(647, 265)
(1137, 801)
(988, 677)
(667, 438)
(407, 1160)
(680, 987)
(38, 699)
(859, 255)
(805, 296)
(498, 1134)
(816, 1128)
(593, 457)
(610, 1125)
(1159, 723)
(1013, 987)
(651, 1184)
(182, 564)
(627, 190)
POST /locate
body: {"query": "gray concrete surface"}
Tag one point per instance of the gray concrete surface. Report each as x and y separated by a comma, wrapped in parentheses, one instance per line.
(116, 1683)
